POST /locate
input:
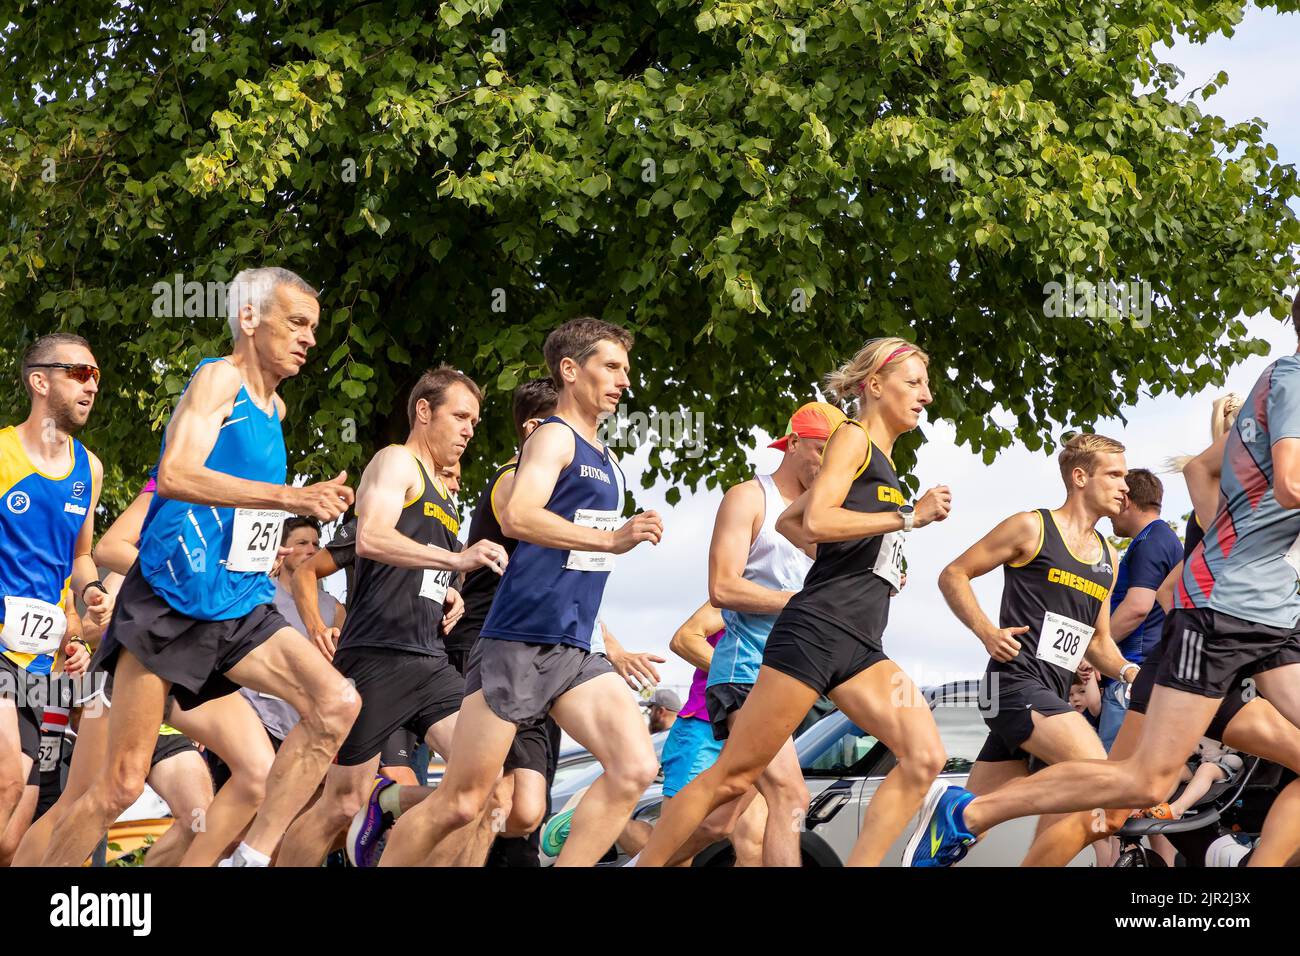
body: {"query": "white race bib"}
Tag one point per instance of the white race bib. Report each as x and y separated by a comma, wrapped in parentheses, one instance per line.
(593, 560)
(32, 626)
(255, 541)
(1063, 641)
(50, 752)
(434, 585)
(889, 562)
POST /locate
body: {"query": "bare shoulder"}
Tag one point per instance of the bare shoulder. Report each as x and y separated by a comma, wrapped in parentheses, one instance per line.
(551, 440)
(217, 376)
(745, 492)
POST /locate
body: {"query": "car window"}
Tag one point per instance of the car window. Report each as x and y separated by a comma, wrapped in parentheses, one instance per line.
(963, 731)
(568, 772)
(839, 754)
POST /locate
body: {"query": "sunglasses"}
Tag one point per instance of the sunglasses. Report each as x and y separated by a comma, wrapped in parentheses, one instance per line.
(81, 373)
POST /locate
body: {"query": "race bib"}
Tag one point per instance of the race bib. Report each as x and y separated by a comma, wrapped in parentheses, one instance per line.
(51, 751)
(1063, 641)
(593, 560)
(889, 562)
(255, 540)
(434, 585)
(32, 626)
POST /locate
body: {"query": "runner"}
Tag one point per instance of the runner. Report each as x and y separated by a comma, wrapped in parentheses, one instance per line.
(520, 796)
(828, 640)
(1244, 720)
(533, 655)
(197, 619)
(225, 725)
(390, 645)
(49, 486)
(691, 748)
(339, 554)
(1058, 572)
(1235, 611)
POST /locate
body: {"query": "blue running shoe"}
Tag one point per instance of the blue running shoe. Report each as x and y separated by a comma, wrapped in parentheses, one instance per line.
(369, 830)
(940, 837)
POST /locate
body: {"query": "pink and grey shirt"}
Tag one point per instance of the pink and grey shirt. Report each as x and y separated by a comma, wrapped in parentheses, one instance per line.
(1244, 566)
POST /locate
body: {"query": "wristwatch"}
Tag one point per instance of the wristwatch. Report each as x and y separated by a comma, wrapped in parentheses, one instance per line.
(909, 516)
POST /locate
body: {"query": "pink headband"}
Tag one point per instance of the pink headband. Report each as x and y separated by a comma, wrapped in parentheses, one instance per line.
(901, 350)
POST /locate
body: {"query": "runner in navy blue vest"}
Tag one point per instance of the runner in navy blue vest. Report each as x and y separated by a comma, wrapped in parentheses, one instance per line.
(194, 615)
(533, 655)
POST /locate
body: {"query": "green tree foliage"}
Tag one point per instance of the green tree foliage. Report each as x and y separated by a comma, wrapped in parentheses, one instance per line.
(754, 188)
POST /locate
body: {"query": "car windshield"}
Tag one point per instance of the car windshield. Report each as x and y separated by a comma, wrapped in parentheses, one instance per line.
(833, 746)
(573, 769)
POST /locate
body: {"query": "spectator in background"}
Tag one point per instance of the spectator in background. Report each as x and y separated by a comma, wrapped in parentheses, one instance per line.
(664, 707)
(1085, 695)
(1135, 617)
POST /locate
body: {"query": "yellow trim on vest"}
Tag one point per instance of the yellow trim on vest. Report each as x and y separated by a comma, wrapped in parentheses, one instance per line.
(492, 495)
(14, 463)
(1041, 530)
(1104, 551)
(420, 468)
(870, 444)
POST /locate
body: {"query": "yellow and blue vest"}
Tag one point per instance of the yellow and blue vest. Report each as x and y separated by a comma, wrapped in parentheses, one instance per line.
(40, 518)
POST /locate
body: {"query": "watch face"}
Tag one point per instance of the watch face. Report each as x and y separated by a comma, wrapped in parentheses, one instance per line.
(906, 509)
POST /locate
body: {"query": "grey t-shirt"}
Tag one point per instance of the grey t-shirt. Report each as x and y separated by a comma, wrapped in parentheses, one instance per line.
(277, 716)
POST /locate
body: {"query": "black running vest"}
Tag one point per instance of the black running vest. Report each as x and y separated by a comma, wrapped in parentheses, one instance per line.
(842, 587)
(480, 585)
(396, 608)
(1058, 597)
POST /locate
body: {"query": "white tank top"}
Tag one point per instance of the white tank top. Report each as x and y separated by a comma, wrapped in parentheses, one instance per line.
(774, 562)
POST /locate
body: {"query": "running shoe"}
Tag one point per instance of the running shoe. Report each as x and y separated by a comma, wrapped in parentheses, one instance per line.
(940, 837)
(369, 829)
(555, 833)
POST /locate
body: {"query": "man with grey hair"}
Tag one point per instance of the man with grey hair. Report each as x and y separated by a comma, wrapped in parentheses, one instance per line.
(195, 615)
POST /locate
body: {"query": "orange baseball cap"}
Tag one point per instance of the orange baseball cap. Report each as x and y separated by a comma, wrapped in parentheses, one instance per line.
(813, 420)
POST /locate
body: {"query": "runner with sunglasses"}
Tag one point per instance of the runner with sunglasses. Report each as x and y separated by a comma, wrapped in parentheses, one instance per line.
(49, 488)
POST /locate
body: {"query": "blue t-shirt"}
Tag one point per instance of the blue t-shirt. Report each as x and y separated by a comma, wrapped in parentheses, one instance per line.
(1147, 562)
